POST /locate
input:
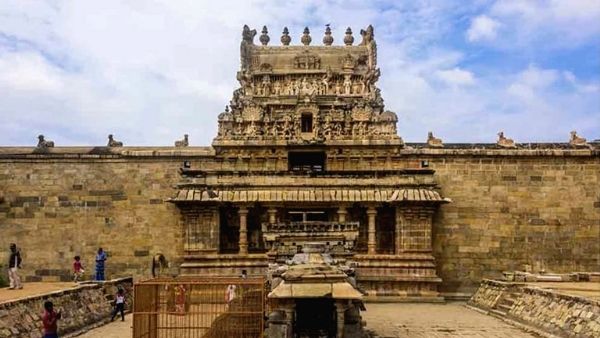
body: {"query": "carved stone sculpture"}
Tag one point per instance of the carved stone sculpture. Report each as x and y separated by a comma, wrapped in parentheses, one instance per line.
(112, 142)
(182, 143)
(306, 39)
(42, 143)
(247, 41)
(327, 39)
(285, 37)
(577, 141)
(505, 142)
(348, 38)
(264, 37)
(434, 142)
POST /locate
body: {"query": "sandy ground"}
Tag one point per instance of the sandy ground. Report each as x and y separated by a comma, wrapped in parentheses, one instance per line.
(395, 320)
(32, 289)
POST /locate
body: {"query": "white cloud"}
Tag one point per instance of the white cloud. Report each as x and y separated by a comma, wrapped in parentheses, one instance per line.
(556, 23)
(483, 28)
(149, 72)
(456, 77)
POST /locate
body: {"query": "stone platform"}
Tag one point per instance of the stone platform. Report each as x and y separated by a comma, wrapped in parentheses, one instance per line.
(568, 309)
(84, 306)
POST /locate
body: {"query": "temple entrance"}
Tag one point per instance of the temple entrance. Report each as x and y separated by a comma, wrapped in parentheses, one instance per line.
(386, 230)
(315, 317)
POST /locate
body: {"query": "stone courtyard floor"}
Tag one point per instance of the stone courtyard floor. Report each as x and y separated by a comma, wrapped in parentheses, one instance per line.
(396, 320)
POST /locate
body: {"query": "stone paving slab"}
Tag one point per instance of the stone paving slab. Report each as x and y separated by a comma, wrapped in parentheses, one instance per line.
(396, 320)
(436, 321)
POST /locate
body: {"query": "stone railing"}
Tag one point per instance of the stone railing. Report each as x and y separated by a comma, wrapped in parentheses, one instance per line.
(83, 307)
(549, 311)
(311, 226)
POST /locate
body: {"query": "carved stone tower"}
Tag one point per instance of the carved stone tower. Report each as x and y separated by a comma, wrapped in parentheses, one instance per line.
(300, 95)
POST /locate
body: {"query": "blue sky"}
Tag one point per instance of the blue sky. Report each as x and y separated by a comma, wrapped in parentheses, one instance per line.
(151, 71)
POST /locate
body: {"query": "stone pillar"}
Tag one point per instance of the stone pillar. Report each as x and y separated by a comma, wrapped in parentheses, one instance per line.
(342, 212)
(243, 213)
(272, 211)
(340, 308)
(290, 310)
(371, 243)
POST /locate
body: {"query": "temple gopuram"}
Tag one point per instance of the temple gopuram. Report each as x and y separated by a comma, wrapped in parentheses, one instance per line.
(288, 155)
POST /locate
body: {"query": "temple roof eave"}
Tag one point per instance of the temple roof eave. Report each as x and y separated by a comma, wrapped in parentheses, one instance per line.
(310, 195)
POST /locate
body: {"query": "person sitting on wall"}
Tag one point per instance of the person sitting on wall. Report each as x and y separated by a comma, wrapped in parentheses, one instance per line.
(100, 258)
(14, 264)
(49, 320)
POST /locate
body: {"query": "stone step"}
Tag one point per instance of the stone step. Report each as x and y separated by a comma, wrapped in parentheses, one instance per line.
(505, 307)
(497, 312)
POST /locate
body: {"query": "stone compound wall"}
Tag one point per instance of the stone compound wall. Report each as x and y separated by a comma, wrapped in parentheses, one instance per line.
(511, 208)
(55, 209)
(82, 307)
(550, 312)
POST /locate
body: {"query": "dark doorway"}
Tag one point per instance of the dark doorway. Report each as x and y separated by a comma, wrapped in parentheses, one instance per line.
(385, 231)
(306, 161)
(359, 214)
(256, 217)
(229, 226)
(315, 318)
(307, 123)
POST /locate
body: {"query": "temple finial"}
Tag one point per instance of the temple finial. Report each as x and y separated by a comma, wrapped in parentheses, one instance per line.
(348, 39)
(285, 37)
(264, 37)
(327, 39)
(306, 39)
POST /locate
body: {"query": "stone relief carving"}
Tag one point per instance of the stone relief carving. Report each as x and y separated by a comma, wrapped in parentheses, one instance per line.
(43, 143)
(182, 143)
(434, 142)
(112, 142)
(505, 142)
(307, 60)
(577, 141)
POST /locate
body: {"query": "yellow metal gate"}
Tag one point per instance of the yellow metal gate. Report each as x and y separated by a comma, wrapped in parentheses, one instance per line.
(187, 307)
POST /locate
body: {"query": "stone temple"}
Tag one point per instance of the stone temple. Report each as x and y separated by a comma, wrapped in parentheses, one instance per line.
(306, 150)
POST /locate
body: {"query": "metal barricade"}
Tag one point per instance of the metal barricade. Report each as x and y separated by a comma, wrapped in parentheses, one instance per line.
(191, 307)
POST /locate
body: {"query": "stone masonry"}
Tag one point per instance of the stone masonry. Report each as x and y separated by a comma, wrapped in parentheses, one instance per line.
(84, 306)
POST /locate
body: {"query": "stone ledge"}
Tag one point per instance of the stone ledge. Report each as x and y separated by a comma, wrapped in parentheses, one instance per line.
(459, 149)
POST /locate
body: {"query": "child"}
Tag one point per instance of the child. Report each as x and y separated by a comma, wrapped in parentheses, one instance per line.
(77, 269)
(119, 305)
(49, 319)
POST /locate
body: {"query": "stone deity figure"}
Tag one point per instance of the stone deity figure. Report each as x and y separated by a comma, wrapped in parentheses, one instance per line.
(347, 85)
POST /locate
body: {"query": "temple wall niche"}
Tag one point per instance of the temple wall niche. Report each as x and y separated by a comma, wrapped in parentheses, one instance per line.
(543, 211)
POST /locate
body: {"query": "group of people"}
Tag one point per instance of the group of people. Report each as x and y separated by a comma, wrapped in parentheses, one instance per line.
(78, 266)
(51, 317)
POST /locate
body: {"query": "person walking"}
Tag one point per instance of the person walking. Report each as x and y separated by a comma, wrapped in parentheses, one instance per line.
(14, 264)
(49, 320)
(119, 305)
(100, 258)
